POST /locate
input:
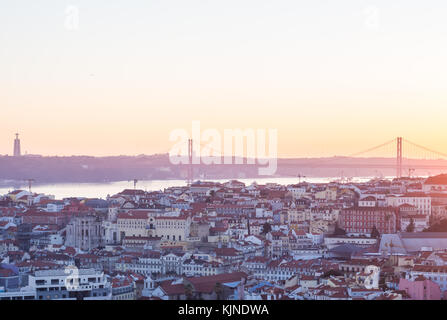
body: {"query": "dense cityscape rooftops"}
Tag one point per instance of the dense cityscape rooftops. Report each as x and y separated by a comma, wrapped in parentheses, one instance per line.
(376, 240)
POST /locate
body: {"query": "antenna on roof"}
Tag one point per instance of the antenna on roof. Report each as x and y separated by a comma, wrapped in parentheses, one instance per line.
(30, 184)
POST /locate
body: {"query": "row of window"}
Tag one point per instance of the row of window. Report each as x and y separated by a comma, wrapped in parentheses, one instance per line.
(361, 224)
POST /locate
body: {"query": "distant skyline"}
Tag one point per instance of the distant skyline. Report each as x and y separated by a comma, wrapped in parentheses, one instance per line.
(334, 77)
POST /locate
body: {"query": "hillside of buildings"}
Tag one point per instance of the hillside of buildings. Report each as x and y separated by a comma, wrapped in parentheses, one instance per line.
(373, 240)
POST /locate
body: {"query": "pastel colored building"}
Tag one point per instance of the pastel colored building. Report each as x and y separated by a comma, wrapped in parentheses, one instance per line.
(421, 288)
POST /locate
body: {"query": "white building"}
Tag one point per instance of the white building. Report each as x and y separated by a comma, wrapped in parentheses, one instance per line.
(70, 284)
(297, 191)
(332, 242)
(111, 233)
(173, 228)
(419, 200)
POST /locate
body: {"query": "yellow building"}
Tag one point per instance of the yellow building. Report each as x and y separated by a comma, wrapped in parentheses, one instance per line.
(133, 223)
(330, 194)
(175, 228)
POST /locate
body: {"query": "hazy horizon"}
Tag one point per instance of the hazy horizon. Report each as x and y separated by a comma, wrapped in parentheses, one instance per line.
(333, 78)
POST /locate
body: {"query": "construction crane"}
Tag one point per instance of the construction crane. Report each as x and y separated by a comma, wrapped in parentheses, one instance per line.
(135, 181)
(30, 184)
(299, 176)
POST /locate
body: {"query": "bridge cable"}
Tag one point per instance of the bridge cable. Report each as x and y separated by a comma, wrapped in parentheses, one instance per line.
(426, 149)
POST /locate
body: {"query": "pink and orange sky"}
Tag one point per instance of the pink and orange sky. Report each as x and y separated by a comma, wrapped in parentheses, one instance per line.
(333, 78)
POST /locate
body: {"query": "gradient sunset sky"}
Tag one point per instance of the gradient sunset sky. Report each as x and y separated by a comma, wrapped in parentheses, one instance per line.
(333, 77)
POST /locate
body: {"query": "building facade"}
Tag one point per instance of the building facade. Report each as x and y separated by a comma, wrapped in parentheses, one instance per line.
(361, 221)
(84, 232)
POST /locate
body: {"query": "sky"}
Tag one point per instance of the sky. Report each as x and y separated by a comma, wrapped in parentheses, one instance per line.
(108, 77)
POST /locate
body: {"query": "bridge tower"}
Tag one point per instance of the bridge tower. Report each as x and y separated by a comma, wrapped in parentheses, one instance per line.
(399, 158)
(190, 169)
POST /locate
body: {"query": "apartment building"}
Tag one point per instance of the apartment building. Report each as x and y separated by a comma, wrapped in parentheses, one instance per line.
(361, 221)
(70, 284)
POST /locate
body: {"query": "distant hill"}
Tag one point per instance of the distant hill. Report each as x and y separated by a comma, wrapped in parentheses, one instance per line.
(158, 167)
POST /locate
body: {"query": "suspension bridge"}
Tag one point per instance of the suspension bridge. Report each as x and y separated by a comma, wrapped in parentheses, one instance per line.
(399, 153)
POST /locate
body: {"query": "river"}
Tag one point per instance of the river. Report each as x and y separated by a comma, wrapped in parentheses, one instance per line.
(101, 190)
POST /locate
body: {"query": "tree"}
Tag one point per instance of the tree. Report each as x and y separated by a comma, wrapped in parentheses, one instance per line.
(266, 228)
(218, 289)
(375, 233)
(431, 220)
(387, 219)
(410, 227)
(339, 231)
(438, 227)
(189, 291)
